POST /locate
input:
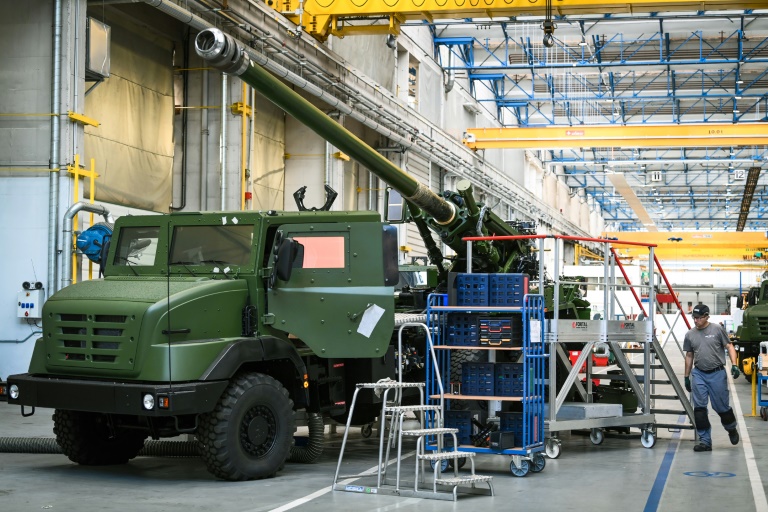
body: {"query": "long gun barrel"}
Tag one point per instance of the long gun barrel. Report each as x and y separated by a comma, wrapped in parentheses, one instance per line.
(226, 54)
(452, 219)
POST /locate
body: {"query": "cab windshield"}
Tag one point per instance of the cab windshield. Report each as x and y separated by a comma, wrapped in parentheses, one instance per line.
(211, 245)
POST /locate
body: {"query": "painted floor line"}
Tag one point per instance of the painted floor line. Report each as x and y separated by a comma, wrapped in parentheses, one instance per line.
(325, 490)
(654, 498)
(758, 493)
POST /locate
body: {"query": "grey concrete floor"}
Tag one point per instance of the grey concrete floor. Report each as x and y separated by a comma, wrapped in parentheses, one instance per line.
(619, 474)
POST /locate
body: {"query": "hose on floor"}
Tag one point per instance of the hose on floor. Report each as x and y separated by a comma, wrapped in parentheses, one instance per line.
(48, 445)
(310, 452)
(306, 453)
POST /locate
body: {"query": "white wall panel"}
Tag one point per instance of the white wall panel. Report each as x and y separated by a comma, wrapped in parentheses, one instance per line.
(23, 206)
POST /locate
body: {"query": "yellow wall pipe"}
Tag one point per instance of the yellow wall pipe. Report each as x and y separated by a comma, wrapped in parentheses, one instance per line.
(75, 221)
(77, 174)
(243, 147)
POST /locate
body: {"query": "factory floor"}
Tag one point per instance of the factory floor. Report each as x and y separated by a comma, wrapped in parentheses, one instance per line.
(618, 474)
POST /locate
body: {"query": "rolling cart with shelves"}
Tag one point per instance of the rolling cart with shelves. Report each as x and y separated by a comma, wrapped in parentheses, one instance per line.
(527, 453)
(762, 380)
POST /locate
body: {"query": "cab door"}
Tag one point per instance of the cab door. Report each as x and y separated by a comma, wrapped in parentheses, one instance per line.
(339, 295)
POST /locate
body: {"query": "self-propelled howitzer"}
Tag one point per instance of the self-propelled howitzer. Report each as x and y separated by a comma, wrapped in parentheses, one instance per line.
(452, 217)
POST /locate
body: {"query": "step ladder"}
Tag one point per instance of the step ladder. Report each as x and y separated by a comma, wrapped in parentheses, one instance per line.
(392, 417)
(668, 397)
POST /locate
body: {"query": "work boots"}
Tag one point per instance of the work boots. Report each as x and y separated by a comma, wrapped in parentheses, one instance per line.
(733, 435)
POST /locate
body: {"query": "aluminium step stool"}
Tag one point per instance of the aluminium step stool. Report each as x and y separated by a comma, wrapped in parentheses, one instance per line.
(396, 413)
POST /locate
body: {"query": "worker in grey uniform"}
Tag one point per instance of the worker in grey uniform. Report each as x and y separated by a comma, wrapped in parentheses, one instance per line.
(705, 346)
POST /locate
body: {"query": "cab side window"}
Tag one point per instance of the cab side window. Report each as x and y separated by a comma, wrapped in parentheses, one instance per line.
(323, 251)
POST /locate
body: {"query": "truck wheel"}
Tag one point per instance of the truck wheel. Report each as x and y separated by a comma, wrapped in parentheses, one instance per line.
(85, 438)
(250, 432)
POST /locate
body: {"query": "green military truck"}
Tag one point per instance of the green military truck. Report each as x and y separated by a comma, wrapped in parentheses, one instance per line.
(753, 328)
(218, 324)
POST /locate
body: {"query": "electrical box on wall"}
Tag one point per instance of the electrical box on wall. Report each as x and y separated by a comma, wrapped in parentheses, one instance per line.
(98, 52)
(30, 303)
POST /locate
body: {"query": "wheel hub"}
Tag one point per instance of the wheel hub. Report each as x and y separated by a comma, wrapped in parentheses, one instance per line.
(258, 430)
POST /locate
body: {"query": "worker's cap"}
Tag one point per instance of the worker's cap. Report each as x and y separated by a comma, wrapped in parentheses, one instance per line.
(700, 310)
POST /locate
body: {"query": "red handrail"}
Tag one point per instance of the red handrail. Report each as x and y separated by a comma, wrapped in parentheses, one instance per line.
(669, 287)
(626, 278)
(613, 251)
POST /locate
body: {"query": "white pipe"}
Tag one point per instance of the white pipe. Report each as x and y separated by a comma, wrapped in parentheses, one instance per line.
(204, 132)
(451, 72)
(223, 140)
(66, 278)
(371, 191)
(55, 159)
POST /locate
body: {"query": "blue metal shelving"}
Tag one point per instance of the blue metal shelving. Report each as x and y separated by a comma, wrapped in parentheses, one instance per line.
(526, 453)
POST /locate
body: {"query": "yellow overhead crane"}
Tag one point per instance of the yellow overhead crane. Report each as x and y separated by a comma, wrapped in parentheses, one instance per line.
(324, 17)
(606, 136)
(746, 248)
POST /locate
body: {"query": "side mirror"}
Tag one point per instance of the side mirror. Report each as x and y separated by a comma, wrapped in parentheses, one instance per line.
(286, 255)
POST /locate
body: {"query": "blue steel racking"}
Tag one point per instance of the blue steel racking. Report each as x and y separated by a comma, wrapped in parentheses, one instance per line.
(527, 453)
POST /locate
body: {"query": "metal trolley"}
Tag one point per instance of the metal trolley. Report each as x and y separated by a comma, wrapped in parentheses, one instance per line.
(527, 453)
(762, 380)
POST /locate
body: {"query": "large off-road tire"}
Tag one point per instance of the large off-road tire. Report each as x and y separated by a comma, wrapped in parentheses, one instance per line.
(86, 439)
(457, 358)
(250, 432)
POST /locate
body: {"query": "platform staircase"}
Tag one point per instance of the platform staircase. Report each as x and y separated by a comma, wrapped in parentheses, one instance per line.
(393, 431)
(669, 400)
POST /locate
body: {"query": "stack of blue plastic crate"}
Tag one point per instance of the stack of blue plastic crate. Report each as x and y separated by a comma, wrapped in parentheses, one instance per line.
(512, 422)
(462, 330)
(472, 289)
(509, 379)
(478, 379)
(461, 420)
(507, 289)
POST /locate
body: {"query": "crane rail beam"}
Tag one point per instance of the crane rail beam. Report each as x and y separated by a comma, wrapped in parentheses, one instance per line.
(643, 136)
(337, 17)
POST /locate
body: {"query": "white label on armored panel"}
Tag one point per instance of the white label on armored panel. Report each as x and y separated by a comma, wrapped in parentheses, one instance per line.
(370, 318)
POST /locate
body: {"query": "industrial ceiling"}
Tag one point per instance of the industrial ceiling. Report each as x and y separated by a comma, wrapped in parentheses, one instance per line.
(697, 74)
(649, 63)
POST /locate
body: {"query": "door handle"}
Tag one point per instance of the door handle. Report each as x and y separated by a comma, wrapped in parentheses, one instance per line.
(355, 316)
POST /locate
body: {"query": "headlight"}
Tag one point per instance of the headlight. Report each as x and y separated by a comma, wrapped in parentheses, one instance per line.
(14, 392)
(149, 402)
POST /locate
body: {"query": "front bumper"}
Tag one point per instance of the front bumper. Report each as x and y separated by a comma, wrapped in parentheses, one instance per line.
(114, 397)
